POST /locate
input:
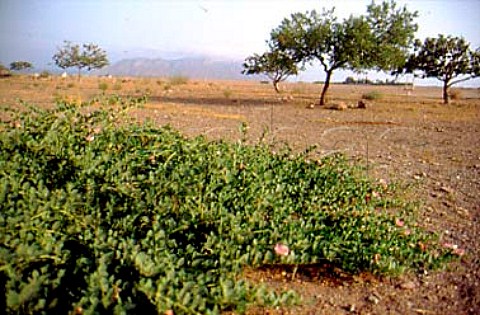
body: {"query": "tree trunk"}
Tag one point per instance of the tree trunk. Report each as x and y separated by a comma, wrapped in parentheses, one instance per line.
(445, 92)
(79, 69)
(325, 88)
(275, 86)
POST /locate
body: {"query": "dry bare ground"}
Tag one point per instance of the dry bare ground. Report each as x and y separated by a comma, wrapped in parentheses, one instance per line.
(412, 139)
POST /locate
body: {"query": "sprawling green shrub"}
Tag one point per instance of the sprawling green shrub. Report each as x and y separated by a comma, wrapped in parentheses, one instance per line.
(100, 215)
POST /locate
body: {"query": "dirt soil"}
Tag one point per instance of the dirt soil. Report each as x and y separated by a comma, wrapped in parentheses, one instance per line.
(408, 137)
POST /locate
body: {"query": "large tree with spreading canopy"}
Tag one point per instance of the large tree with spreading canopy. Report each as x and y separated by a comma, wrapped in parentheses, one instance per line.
(378, 40)
(446, 58)
(87, 56)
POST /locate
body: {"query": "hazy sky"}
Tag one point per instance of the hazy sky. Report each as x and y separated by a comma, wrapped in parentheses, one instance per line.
(33, 29)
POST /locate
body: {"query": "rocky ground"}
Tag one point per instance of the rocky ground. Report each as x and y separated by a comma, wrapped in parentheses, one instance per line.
(411, 139)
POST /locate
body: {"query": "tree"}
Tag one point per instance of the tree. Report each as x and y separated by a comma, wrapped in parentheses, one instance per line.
(378, 41)
(275, 64)
(447, 58)
(88, 56)
(393, 32)
(20, 65)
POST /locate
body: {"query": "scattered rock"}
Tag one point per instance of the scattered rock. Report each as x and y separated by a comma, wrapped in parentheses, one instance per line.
(362, 104)
(409, 285)
(372, 298)
(462, 211)
(338, 106)
(447, 189)
(311, 106)
(418, 176)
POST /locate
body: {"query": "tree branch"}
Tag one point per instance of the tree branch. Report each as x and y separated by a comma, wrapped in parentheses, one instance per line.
(461, 80)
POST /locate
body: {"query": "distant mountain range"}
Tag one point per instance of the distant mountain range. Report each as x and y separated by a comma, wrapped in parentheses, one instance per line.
(195, 68)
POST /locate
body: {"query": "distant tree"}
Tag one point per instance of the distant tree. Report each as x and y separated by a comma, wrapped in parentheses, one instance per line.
(350, 80)
(87, 56)
(447, 58)
(20, 65)
(379, 40)
(275, 64)
(4, 72)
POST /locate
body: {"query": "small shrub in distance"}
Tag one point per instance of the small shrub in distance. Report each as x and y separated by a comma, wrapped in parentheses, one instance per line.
(372, 96)
(178, 80)
(455, 94)
(167, 87)
(103, 86)
(227, 93)
(44, 75)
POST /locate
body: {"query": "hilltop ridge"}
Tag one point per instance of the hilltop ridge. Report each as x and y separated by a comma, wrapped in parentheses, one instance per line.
(198, 68)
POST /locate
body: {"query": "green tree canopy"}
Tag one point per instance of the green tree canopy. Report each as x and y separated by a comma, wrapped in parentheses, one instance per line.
(446, 58)
(277, 65)
(20, 65)
(393, 33)
(379, 40)
(87, 56)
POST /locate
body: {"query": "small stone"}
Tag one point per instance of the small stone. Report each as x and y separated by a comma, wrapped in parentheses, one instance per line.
(362, 104)
(373, 299)
(446, 189)
(409, 285)
(448, 204)
(338, 106)
(462, 211)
